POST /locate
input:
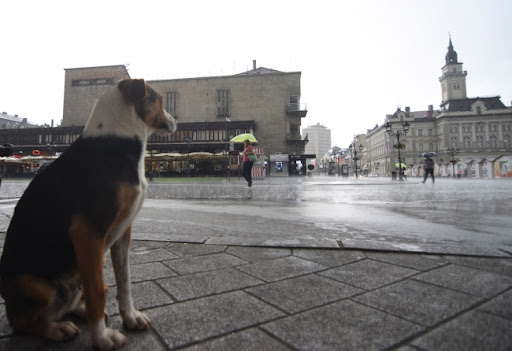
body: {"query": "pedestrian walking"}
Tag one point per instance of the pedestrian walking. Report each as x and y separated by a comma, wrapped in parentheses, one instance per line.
(247, 167)
(428, 166)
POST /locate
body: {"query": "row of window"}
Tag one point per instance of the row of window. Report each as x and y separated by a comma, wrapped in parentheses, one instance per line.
(481, 128)
(480, 142)
(223, 103)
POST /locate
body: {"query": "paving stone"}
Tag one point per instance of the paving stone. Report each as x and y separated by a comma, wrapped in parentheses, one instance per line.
(140, 272)
(207, 283)
(281, 268)
(344, 325)
(408, 260)
(500, 305)
(302, 293)
(331, 258)
(469, 280)
(196, 320)
(5, 329)
(368, 274)
(256, 254)
(145, 256)
(204, 263)
(143, 245)
(418, 302)
(145, 295)
(191, 250)
(472, 331)
(247, 340)
(498, 265)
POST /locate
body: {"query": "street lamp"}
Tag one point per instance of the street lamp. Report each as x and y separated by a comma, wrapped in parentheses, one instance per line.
(452, 152)
(399, 146)
(353, 149)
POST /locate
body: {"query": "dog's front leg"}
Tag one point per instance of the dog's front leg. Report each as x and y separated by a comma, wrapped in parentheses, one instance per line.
(132, 318)
(89, 249)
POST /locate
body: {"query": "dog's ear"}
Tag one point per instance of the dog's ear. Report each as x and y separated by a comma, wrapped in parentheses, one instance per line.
(133, 89)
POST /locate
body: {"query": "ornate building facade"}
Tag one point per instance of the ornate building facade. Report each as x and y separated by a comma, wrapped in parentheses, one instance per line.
(467, 134)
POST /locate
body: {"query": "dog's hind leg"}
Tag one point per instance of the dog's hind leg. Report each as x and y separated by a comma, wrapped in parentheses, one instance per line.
(34, 306)
(89, 248)
(132, 318)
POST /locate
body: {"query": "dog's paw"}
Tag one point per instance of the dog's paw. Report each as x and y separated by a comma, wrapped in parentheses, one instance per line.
(62, 331)
(136, 320)
(110, 339)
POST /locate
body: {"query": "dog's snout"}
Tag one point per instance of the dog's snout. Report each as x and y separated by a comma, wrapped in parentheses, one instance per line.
(170, 121)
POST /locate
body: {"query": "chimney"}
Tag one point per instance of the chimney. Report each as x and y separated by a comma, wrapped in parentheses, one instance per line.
(430, 108)
(253, 64)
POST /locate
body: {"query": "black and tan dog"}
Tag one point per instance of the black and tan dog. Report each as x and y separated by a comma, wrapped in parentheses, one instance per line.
(80, 206)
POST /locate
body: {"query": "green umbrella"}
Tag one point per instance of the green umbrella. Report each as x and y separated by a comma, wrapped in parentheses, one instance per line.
(403, 165)
(240, 138)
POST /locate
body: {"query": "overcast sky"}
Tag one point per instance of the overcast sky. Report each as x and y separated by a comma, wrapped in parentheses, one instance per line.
(360, 60)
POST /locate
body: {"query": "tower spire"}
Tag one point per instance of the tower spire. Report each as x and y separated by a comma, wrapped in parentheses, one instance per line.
(451, 56)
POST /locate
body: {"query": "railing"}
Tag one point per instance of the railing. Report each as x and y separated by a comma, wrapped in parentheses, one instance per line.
(296, 107)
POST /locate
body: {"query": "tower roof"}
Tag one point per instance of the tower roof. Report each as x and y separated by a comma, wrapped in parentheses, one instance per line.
(451, 56)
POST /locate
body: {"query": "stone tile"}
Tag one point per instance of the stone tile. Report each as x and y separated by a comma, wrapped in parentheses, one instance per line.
(302, 293)
(140, 272)
(418, 302)
(473, 331)
(145, 295)
(281, 268)
(5, 329)
(208, 283)
(331, 258)
(368, 274)
(196, 320)
(409, 260)
(143, 245)
(497, 265)
(191, 250)
(500, 306)
(204, 263)
(468, 280)
(145, 256)
(247, 340)
(256, 254)
(344, 325)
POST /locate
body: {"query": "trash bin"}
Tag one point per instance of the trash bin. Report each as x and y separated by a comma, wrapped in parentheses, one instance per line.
(393, 175)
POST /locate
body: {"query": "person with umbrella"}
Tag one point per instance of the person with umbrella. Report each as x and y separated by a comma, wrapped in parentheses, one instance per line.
(247, 167)
(428, 166)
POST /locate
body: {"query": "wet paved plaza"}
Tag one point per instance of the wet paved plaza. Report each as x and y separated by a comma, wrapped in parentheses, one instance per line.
(464, 217)
(311, 264)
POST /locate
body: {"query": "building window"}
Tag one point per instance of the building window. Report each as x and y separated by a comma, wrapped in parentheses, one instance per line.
(478, 110)
(506, 142)
(170, 103)
(430, 132)
(454, 143)
(421, 147)
(294, 102)
(494, 142)
(223, 103)
(467, 142)
(480, 143)
(420, 132)
(430, 147)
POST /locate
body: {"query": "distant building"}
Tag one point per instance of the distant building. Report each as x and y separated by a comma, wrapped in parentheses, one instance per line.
(467, 134)
(13, 122)
(319, 137)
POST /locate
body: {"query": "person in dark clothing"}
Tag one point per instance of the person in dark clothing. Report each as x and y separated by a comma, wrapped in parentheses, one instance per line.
(247, 168)
(428, 165)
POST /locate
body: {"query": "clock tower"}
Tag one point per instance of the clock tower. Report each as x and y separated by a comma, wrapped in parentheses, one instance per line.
(453, 80)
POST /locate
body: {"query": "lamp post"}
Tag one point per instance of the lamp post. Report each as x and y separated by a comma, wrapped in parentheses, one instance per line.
(353, 149)
(399, 146)
(452, 152)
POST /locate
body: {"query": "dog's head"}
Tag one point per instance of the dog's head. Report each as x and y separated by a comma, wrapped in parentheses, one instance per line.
(148, 105)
